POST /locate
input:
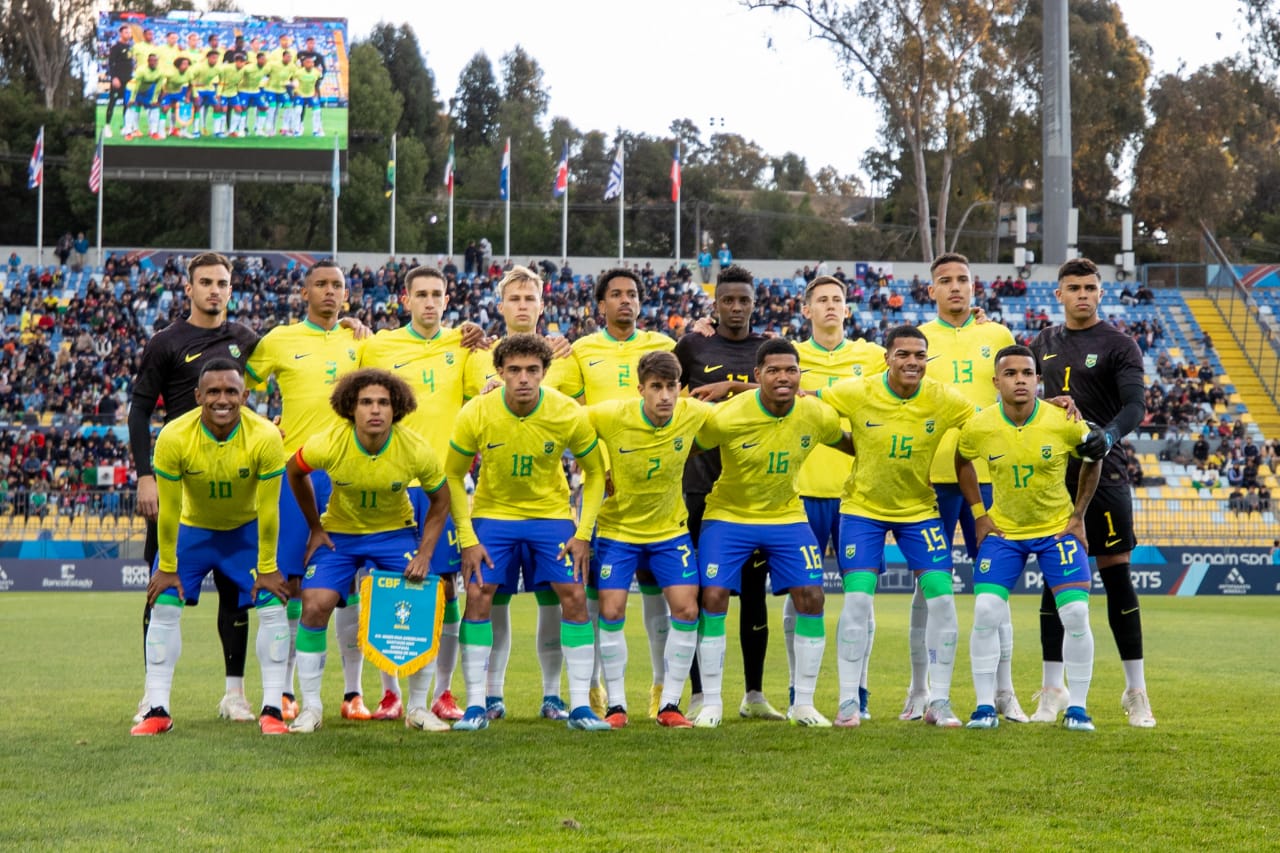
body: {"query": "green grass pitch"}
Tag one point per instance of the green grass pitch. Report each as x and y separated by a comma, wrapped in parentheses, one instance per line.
(71, 673)
(334, 122)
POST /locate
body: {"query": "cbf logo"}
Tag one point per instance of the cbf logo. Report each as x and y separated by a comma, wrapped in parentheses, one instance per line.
(1046, 451)
(351, 354)
(448, 358)
(234, 350)
(928, 426)
(606, 571)
(396, 486)
(311, 571)
(244, 473)
(402, 612)
(713, 569)
(857, 370)
(548, 446)
(1091, 360)
(986, 352)
(850, 551)
(679, 443)
(984, 566)
(804, 441)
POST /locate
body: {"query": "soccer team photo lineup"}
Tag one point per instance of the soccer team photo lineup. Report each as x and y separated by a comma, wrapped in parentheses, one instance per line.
(418, 478)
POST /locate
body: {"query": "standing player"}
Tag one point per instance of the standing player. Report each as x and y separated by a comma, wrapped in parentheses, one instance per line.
(370, 460)
(120, 72)
(962, 353)
(714, 368)
(308, 79)
(826, 358)
(603, 367)
(522, 513)
(765, 437)
(898, 421)
(278, 91)
(204, 78)
(148, 83)
(1101, 368)
(253, 80)
(431, 360)
(307, 359)
(309, 51)
(229, 110)
(644, 523)
(219, 468)
(1027, 445)
(177, 95)
(170, 370)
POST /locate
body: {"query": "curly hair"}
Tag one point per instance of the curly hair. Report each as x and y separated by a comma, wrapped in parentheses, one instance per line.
(522, 344)
(602, 285)
(347, 392)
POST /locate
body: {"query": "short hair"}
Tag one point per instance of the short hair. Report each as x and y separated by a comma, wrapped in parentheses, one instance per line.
(602, 286)
(212, 53)
(421, 272)
(347, 392)
(1018, 349)
(215, 365)
(207, 259)
(325, 264)
(519, 274)
(775, 346)
(1078, 266)
(524, 343)
(819, 282)
(906, 330)
(735, 274)
(662, 364)
(948, 258)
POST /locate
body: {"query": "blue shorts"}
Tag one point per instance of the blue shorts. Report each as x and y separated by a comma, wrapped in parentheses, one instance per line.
(291, 546)
(672, 562)
(923, 544)
(234, 553)
(304, 101)
(229, 101)
(790, 549)
(824, 518)
(174, 98)
(336, 568)
(953, 507)
(531, 546)
(146, 96)
(207, 97)
(1063, 561)
(447, 558)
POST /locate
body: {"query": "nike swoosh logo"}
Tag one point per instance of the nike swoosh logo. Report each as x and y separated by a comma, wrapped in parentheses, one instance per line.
(764, 627)
(746, 446)
(196, 472)
(932, 357)
(341, 483)
(1112, 542)
(815, 576)
(1070, 571)
(594, 363)
(299, 355)
(1127, 612)
(627, 449)
(755, 564)
(400, 365)
(938, 558)
(190, 358)
(991, 458)
(1049, 356)
(805, 369)
(711, 367)
(455, 562)
(687, 574)
(492, 446)
(870, 424)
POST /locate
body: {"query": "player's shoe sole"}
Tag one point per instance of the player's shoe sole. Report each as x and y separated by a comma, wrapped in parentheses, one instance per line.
(236, 708)
(424, 721)
(848, 716)
(308, 720)
(809, 717)
(1007, 706)
(1137, 707)
(940, 714)
(1051, 701)
(390, 708)
(914, 707)
(156, 722)
(355, 709)
(446, 707)
(1077, 720)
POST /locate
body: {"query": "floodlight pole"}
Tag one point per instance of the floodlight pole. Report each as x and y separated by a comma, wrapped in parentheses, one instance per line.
(1056, 139)
(222, 206)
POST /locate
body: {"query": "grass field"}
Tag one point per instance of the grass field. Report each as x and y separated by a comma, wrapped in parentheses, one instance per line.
(1205, 779)
(334, 121)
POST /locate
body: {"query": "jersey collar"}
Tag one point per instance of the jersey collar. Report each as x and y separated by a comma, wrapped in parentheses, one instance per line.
(820, 348)
(356, 441)
(760, 403)
(884, 377)
(609, 337)
(644, 417)
(542, 393)
(313, 327)
(413, 333)
(1035, 411)
(966, 323)
(204, 429)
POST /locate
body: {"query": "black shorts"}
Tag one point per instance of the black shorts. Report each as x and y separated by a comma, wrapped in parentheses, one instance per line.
(1109, 521)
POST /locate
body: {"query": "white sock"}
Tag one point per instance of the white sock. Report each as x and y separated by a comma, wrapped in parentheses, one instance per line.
(593, 616)
(1004, 669)
(941, 634)
(810, 644)
(272, 646)
(789, 639)
(613, 660)
(499, 654)
(917, 643)
(578, 662)
(1077, 650)
(550, 656)
(475, 658)
(1054, 674)
(310, 674)
(871, 641)
(984, 645)
(447, 660)
(851, 642)
(153, 121)
(346, 625)
(291, 665)
(164, 647)
(682, 644)
(235, 684)
(390, 682)
(1135, 677)
(316, 122)
(711, 662)
(420, 686)
(657, 627)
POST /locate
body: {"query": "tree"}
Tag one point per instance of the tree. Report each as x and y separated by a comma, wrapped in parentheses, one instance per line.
(411, 78)
(52, 31)
(522, 82)
(475, 106)
(828, 181)
(916, 59)
(735, 163)
(791, 173)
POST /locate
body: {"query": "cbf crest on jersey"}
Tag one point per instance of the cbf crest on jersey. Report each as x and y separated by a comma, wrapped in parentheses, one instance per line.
(1046, 451)
(448, 358)
(548, 446)
(678, 443)
(984, 566)
(1091, 360)
(986, 352)
(928, 426)
(396, 486)
(244, 473)
(351, 354)
(234, 350)
(804, 441)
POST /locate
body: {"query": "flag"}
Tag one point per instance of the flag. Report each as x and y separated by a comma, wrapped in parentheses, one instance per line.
(95, 170)
(35, 168)
(614, 189)
(504, 177)
(562, 173)
(675, 176)
(337, 171)
(390, 186)
(448, 168)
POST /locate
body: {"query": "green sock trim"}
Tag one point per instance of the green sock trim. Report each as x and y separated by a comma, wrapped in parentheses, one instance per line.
(501, 599)
(593, 593)
(650, 589)
(859, 581)
(353, 600)
(576, 634)
(991, 589)
(294, 608)
(615, 626)
(712, 624)
(170, 599)
(269, 601)
(935, 583)
(312, 639)
(451, 612)
(476, 633)
(808, 625)
(546, 598)
(681, 625)
(1069, 595)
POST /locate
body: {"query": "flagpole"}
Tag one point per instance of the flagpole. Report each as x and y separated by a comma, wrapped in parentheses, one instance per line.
(622, 185)
(393, 197)
(337, 190)
(506, 226)
(564, 225)
(40, 206)
(677, 203)
(448, 179)
(102, 186)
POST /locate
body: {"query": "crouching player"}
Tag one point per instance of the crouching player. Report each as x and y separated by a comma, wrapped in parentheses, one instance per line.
(644, 524)
(370, 462)
(1027, 444)
(218, 469)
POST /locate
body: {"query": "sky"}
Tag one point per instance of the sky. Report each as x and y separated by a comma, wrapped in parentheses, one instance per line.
(728, 69)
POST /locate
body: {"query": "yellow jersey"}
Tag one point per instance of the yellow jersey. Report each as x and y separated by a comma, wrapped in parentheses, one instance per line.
(434, 369)
(370, 489)
(648, 468)
(1028, 467)
(963, 356)
(825, 471)
(604, 368)
(218, 485)
(307, 362)
(895, 439)
(761, 455)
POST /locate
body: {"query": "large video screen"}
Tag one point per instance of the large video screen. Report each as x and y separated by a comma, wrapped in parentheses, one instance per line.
(221, 92)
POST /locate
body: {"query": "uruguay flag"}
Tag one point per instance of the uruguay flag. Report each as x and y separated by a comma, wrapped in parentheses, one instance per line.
(504, 178)
(35, 168)
(562, 173)
(614, 188)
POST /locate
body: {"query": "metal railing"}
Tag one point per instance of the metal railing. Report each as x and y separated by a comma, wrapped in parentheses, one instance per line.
(1253, 331)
